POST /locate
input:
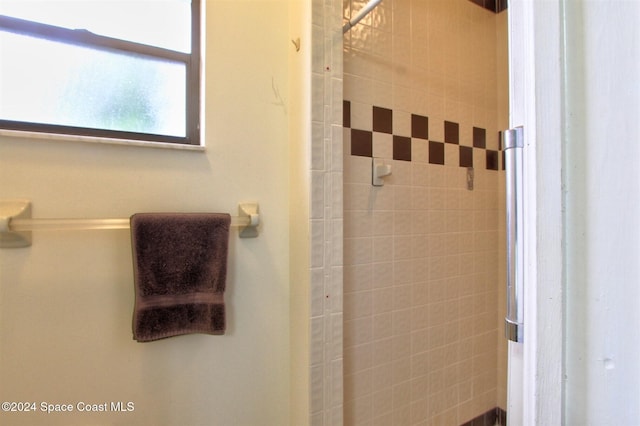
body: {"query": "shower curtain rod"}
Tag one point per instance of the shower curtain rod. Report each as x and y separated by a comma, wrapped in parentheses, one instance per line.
(16, 223)
(364, 12)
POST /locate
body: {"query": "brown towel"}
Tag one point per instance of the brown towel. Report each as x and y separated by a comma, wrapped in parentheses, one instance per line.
(180, 268)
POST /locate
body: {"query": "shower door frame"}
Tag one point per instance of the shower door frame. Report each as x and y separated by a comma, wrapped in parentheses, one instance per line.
(536, 73)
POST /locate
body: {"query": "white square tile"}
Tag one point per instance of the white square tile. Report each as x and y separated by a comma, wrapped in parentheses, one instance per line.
(317, 194)
(419, 154)
(317, 385)
(382, 145)
(382, 275)
(402, 123)
(451, 231)
(358, 304)
(317, 339)
(317, 246)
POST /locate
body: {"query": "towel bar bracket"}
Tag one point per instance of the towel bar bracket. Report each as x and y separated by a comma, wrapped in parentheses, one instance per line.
(14, 209)
(16, 223)
(249, 210)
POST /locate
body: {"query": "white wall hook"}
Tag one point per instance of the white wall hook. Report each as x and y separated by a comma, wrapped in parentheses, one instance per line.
(378, 171)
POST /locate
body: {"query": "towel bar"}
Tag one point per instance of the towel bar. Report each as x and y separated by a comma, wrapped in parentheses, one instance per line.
(16, 223)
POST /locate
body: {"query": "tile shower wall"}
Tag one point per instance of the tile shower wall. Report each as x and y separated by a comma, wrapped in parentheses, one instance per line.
(326, 216)
(421, 252)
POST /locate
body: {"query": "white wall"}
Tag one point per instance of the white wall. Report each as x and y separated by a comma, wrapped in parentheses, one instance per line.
(66, 302)
(299, 237)
(602, 213)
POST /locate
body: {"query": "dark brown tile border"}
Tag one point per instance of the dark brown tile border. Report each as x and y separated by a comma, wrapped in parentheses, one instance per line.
(466, 156)
(451, 132)
(492, 160)
(346, 114)
(495, 416)
(501, 417)
(419, 126)
(382, 122)
(496, 6)
(479, 137)
(401, 148)
(436, 152)
(361, 143)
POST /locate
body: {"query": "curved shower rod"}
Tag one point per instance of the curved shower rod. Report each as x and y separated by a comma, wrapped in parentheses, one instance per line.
(364, 12)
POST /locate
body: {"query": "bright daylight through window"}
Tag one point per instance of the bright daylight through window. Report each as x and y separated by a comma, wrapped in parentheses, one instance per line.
(103, 68)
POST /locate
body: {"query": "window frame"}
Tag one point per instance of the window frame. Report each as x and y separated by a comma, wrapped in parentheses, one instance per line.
(81, 37)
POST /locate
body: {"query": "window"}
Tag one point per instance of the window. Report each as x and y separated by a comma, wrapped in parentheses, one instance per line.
(104, 68)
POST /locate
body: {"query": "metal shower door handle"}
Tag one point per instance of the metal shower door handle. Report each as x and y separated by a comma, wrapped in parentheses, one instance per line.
(513, 145)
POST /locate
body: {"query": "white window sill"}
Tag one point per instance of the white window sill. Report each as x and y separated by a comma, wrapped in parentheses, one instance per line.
(99, 140)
